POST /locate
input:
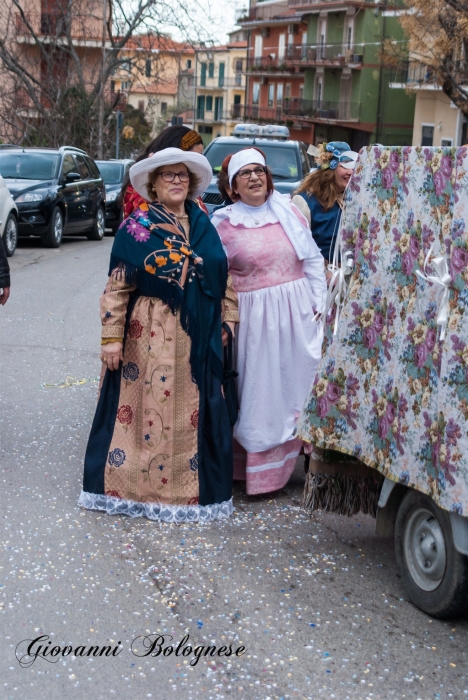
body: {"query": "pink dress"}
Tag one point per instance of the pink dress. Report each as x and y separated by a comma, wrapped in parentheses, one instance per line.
(278, 349)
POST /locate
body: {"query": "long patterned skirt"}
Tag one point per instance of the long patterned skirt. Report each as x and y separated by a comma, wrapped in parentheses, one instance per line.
(148, 455)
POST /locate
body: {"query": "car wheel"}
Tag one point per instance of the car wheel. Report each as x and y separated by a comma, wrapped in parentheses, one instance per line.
(434, 574)
(99, 226)
(10, 235)
(52, 238)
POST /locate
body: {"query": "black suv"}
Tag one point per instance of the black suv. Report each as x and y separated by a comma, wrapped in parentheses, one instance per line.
(114, 173)
(57, 191)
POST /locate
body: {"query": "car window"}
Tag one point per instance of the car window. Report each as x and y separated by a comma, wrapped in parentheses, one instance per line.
(282, 160)
(112, 173)
(93, 169)
(68, 166)
(29, 166)
(82, 167)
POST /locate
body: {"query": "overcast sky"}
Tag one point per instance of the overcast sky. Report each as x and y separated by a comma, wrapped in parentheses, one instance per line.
(217, 17)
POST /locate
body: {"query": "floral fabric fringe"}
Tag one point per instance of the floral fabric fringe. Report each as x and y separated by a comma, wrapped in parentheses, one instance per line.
(343, 494)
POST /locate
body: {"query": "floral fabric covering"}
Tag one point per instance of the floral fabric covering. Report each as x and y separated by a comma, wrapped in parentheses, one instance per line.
(391, 389)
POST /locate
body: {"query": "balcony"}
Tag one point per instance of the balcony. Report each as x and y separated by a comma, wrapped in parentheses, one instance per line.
(296, 108)
(213, 116)
(85, 30)
(303, 55)
(213, 83)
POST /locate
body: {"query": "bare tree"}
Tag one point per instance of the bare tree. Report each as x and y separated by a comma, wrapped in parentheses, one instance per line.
(437, 33)
(57, 58)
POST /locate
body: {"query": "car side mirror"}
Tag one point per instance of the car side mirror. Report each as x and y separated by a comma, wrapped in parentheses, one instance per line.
(72, 177)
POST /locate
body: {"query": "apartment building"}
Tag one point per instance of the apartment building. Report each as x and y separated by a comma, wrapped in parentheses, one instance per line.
(437, 120)
(219, 89)
(316, 66)
(156, 77)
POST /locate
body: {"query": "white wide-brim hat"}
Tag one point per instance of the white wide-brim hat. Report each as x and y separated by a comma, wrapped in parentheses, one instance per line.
(196, 163)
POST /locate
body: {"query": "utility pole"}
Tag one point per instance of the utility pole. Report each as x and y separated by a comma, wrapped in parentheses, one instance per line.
(118, 127)
(101, 89)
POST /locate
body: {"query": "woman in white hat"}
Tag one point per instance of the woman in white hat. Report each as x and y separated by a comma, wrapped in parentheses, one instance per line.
(278, 274)
(160, 444)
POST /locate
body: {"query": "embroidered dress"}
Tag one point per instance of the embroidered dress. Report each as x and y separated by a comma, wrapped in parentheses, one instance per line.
(278, 343)
(160, 445)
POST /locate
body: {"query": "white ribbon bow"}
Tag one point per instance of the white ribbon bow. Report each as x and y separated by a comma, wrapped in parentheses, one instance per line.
(338, 287)
(442, 279)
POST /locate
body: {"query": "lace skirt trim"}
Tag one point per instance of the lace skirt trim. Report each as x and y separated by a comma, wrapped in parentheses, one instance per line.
(155, 511)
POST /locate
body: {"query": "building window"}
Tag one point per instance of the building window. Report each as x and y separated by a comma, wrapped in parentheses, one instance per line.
(279, 94)
(238, 79)
(255, 93)
(258, 50)
(237, 99)
(209, 103)
(148, 68)
(287, 91)
(221, 75)
(141, 105)
(188, 64)
(427, 135)
(201, 107)
(218, 110)
(112, 85)
(126, 66)
(202, 74)
(211, 69)
(163, 107)
(301, 92)
(271, 95)
(446, 143)
(318, 91)
(238, 65)
(281, 46)
(125, 85)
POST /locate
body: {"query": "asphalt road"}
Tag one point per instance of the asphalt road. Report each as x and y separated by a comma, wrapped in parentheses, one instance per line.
(316, 601)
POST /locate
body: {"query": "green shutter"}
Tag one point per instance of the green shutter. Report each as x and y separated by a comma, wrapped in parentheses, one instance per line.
(203, 75)
(201, 107)
(221, 75)
(209, 103)
(211, 69)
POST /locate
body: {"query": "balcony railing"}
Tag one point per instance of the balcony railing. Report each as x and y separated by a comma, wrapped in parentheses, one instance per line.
(296, 108)
(213, 83)
(213, 116)
(42, 23)
(307, 54)
(416, 74)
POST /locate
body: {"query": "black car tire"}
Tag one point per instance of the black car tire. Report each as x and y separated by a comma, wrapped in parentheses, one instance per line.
(434, 574)
(99, 226)
(52, 238)
(10, 235)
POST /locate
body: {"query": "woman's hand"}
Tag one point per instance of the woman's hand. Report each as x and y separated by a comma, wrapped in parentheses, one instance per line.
(111, 355)
(225, 336)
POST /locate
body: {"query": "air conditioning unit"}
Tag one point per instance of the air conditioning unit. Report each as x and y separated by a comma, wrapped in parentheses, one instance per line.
(265, 32)
(292, 28)
(263, 80)
(357, 58)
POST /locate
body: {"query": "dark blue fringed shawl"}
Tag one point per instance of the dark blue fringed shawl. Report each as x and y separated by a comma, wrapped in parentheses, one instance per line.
(151, 250)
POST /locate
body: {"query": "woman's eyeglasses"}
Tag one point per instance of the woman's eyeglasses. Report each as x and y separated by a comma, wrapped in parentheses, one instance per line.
(169, 176)
(247, 174)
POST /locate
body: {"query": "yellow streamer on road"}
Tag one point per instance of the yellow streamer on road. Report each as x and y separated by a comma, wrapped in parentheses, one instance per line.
(69, 381)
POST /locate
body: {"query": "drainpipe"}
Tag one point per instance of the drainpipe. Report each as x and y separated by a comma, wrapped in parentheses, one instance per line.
(379, 94)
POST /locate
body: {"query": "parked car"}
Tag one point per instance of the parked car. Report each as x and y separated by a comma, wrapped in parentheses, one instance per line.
(57, 192)
(287, 159)
(8, 219)
(113, 173)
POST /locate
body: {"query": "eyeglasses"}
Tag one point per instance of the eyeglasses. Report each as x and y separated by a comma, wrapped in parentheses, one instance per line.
(247, 174)
(169, 176)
